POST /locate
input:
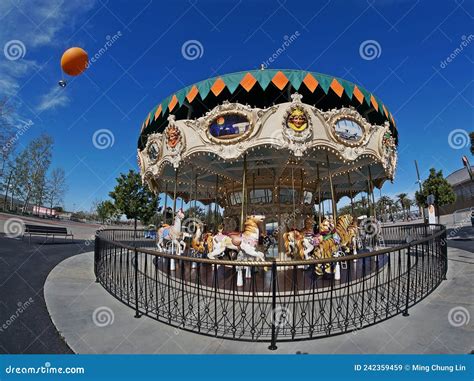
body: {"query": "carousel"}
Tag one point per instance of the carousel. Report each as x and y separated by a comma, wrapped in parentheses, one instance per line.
(271, 153)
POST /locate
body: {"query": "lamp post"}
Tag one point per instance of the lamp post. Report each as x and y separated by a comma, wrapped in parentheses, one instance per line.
(421, 189)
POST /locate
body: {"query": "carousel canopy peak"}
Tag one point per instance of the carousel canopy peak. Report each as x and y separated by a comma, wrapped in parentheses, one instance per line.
(263, 88)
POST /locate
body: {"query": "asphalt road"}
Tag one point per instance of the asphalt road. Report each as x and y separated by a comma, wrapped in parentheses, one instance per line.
(24, 268)
(25, 325)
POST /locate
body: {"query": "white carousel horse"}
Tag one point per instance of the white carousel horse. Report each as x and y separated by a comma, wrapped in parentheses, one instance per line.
(245, 242)
(172, 234)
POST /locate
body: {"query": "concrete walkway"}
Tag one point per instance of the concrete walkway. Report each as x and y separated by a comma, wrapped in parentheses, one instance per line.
(92, 321)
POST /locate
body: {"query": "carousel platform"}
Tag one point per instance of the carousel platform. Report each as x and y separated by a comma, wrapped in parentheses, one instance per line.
(92, 321)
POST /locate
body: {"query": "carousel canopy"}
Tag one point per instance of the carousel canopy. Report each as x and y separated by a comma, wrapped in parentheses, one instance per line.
(268, 137)
(263, 88)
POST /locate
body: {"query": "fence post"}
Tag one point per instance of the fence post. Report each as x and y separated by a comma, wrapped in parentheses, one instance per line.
(137, 313)
(96, 256)
(444, 251)
(273, 346)
(405, 313)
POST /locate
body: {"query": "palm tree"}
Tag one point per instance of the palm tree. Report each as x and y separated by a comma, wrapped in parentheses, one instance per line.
(402, 200)
(384, 205)
(407, 202)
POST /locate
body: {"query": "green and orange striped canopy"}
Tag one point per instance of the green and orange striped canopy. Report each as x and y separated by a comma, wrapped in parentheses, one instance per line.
(262, 88)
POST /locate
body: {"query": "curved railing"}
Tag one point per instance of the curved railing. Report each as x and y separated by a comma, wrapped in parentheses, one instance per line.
(278, 301)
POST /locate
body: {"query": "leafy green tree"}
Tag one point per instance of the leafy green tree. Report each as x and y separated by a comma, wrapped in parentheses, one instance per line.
(438, 186)
(106, 210)
(134, 199)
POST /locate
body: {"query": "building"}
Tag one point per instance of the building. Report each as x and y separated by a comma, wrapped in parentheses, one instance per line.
(463, 187)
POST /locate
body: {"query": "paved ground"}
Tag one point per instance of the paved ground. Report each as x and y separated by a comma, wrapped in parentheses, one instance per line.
(92, 321)
(24, 269)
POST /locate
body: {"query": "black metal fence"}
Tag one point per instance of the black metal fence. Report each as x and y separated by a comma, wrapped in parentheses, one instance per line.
(273, 301)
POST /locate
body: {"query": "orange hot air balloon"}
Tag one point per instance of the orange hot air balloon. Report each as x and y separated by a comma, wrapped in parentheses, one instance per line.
(74, 61)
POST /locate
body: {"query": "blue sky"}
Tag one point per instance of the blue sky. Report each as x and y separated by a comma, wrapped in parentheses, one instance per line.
(430, 100)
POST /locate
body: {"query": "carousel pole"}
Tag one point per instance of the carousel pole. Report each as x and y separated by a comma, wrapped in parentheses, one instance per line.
(166, 203)
(244, 187)
(313, 199)
(333, 200)
(293, 194)
(209, 208)
(319, 195)
(195, 192)
(280, 227)
(175, 191)
(350, 193)
(371, 189)
(215, 202)
(172, 261)
(301, 201)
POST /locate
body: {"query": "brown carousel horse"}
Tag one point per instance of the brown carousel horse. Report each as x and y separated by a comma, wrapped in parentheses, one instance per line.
(201, 244)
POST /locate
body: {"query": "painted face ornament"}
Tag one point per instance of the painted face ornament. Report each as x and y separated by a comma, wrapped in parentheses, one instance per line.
(297, 120)
(173, 136)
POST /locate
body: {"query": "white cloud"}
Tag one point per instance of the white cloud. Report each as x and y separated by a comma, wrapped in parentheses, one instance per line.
(55, 98)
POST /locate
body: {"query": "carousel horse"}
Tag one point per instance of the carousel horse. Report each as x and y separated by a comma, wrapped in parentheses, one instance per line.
(294, 244)
(245, 242)
(336, 240)
(300, 244)
(201, 244)
(172, 234)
